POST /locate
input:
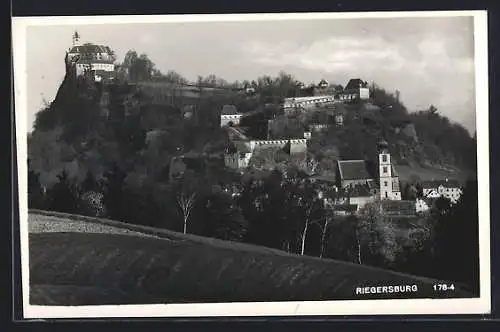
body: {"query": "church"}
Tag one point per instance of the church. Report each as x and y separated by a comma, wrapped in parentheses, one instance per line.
(364, 180)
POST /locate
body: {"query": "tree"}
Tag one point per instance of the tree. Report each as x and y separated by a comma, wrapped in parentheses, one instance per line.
(377, 235)
(35, 192)
(174, 77)
(324, 230)
(188, 189)
(89, 183)
(456, 240)
(310, 212)
(441, 206)
(63, 196)
(224, 219)
(114, 195)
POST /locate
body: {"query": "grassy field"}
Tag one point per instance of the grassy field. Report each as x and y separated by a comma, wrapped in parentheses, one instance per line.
(84, 268)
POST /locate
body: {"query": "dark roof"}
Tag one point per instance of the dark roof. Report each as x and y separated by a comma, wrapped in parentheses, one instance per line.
(323, 82)
(390, 206)
(229, 110)
(436, 183)
(346, 207)
(90, 48)
(354, 84)
(104, 74)
(356, 169)
(360, 191)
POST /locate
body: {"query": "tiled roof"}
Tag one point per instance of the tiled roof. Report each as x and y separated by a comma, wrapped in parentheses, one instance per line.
(356, 169)
(390, 206)
(346, 207)
(354, 84)
(359, 191)
(229, 110)
(90, 48)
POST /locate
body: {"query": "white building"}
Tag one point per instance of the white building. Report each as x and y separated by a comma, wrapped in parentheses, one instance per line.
(450, 189)
(238, 155)
(96, 59)
(421, 205)
(356, 89)
(230, 116)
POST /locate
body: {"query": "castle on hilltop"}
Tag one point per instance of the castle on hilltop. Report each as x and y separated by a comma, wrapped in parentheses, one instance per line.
(98, 61)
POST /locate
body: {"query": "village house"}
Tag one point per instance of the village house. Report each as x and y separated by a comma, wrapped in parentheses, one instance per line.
(422, 205)
(230, 116)
(97, 60)
(237, 155)
(356, 89)
(447, 188)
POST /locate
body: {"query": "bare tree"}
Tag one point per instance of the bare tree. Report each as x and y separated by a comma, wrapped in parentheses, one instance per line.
(186, 203)
(189, 189)
(312, 208)
(324, 229)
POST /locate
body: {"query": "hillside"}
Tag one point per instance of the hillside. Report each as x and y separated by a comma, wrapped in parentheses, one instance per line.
(68, 269)
(105, 149)
(89, 126)
(424, 145)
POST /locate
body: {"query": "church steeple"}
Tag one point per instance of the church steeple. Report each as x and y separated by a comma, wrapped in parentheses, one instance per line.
(385, 170)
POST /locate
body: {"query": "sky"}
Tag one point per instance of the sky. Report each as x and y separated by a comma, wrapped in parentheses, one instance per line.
(429, 60)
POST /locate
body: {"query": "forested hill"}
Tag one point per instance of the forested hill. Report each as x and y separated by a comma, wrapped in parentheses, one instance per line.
(419, 140)
(77, 132)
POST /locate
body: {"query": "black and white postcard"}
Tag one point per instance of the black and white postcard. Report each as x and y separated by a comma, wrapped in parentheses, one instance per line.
(253, 165)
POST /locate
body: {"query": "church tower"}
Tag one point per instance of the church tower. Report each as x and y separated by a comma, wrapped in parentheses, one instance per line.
(385, 171)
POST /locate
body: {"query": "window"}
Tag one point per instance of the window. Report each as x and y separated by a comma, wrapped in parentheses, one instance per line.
(386, 194)
(384, 158)
(384, 169)
(385, 183)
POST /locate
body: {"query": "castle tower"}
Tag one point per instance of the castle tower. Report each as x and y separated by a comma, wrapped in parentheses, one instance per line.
(385, 170)
(76, 39)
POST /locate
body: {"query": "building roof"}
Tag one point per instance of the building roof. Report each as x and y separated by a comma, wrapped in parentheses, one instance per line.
(354, 83)
(356, 169)
(346, 207)
(90, 48)
(445, 183)
(323, 83)
(397, 207)
(360, 191)
(229, 110)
